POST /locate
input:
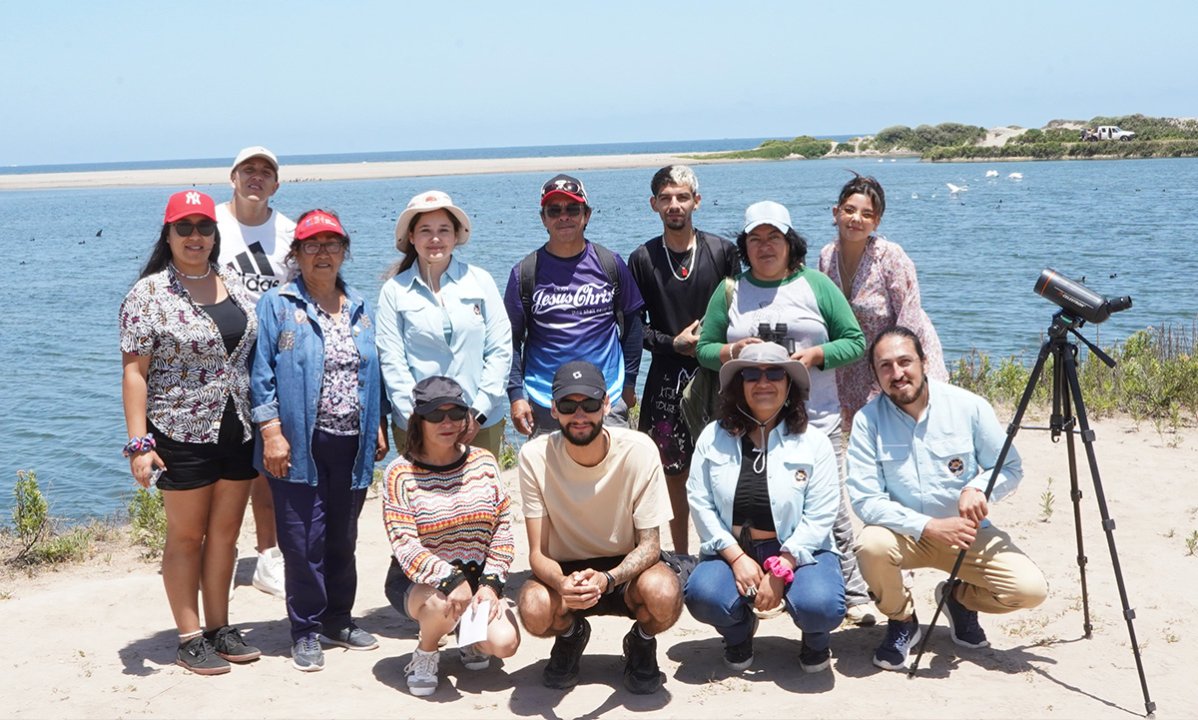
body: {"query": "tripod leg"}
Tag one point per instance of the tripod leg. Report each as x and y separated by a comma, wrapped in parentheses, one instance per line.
(1108, 523)
(1061, 392)
(1012, 429)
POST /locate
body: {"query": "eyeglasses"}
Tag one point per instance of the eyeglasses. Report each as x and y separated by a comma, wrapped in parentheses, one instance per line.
(569, 407)
(555, 211)
(454, 413)
(184, 228)
(333, 248)
(754, 374)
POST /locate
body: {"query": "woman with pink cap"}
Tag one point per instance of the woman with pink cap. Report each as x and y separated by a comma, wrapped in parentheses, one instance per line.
(187, 329)
(316, 393)
(441, 316)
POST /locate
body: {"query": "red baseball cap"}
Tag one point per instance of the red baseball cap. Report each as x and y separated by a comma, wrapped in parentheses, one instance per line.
(189, 202)
(316, 222)
(571, 187)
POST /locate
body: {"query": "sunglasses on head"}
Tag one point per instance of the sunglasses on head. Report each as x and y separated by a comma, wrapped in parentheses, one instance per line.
(569, 407)
(454, 413)
(754, 374)
(185, 228)
(555, 211)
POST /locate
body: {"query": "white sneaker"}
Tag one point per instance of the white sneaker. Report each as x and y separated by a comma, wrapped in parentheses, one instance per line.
(422, 672)
(862, 615)
(473, 658)
(268, 575)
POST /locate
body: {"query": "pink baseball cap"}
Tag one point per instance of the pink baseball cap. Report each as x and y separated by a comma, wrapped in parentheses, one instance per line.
(189, 202)
(316, 222)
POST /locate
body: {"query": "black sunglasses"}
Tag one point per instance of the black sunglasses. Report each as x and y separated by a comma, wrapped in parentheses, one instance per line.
(569, 407)
(185, 228)
(555, 211)
(455, 413)
(753, 374)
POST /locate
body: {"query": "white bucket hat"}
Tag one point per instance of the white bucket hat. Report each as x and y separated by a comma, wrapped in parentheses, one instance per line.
(427, 202)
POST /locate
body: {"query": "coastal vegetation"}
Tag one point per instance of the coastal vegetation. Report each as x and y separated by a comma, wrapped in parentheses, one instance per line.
(1155, 137)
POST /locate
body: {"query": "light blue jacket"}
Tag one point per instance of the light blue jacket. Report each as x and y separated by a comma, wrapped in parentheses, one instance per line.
(903, 473)
(288, 372)
(414, 342)
(803, 482)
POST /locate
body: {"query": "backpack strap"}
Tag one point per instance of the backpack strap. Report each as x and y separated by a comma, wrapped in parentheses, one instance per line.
(526, 275)
(607, 259)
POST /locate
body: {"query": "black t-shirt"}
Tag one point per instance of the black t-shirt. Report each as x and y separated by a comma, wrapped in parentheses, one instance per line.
(672, 303)
(230, 321)
(752, 499)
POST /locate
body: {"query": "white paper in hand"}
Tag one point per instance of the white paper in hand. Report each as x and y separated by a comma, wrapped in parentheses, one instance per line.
(473, 627)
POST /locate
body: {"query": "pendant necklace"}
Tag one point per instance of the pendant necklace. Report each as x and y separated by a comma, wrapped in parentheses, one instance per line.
(684, 268)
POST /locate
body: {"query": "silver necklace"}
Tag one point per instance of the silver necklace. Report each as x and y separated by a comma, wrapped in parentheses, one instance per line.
(191, 277)
(685, 270)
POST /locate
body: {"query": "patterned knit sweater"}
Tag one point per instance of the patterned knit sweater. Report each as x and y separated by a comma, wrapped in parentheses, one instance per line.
(438, 519)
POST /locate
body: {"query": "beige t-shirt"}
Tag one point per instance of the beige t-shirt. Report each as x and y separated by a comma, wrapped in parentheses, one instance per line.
(594, 511)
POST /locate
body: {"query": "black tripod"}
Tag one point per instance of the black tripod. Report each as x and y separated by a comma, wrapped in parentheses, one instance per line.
(1066, 395)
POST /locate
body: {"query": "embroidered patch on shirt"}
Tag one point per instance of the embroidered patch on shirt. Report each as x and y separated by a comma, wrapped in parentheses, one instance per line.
(301, 317)
(956, 466)
(365, 321)
(800, 476)
(287, 340)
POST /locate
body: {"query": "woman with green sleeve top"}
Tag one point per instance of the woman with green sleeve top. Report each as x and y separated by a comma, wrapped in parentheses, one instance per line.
(795, 304)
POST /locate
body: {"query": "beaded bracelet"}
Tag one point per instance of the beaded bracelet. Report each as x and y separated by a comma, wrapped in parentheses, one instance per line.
(139, 445)
(778, 569)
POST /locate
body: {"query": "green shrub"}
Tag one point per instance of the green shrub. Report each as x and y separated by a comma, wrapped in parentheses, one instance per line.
(147, 520)
(30, 511)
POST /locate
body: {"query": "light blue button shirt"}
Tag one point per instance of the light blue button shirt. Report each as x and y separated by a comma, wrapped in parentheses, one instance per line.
(466, 335)
(903, 473)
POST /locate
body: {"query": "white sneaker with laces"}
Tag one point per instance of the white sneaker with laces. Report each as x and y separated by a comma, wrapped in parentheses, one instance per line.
(268, 575)
(422, 672)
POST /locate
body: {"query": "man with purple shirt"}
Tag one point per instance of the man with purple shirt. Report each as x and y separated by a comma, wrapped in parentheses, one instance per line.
(570, 300)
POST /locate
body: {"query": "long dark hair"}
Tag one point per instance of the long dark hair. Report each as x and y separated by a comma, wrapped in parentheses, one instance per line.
(160, 254)
(293, 251)
(409, 255)
(732, 409)
(794, 241)
(869, 187)
(416, 435)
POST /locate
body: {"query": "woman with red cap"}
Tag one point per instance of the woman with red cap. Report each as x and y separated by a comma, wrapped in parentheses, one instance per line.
(316, 394)
(187, 329)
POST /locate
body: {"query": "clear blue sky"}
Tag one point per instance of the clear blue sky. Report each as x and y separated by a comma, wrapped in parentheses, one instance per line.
(113, 81)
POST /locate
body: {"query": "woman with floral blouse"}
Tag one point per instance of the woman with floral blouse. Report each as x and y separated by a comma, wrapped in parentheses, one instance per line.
(187, 327)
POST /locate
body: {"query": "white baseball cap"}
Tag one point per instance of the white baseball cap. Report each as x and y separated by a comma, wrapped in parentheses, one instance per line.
(252, 152)
(767, 212)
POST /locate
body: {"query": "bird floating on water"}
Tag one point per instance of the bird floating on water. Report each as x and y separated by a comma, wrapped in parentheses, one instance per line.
(1016, 176)
(991, 173)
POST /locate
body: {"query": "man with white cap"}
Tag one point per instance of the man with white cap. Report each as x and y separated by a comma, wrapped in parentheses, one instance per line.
(570, 299)
(594, 500)
(255, 240)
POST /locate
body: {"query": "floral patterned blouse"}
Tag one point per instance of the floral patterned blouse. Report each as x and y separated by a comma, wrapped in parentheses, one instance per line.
(337, 412)
(191, 376)
(884, 292)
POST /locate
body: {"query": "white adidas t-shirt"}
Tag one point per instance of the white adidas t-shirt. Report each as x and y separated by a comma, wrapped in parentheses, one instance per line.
(255, 252)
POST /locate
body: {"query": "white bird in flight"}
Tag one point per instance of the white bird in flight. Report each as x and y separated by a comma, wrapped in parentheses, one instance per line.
(954, 189)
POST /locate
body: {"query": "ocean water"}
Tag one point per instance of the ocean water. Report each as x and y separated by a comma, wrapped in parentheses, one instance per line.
(1123, 225)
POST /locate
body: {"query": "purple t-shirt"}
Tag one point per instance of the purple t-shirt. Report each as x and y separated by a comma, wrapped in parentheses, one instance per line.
(572, 319)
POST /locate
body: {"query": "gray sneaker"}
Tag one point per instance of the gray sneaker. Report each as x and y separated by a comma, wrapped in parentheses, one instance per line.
(473, 658)
(350, 637)
(422, 672)
(306, 654)
(198, 656)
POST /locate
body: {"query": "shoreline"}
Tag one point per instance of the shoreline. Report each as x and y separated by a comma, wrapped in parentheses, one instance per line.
(353, 171)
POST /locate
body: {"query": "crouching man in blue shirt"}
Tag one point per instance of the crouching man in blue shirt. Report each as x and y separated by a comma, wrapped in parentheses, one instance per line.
(920, 456)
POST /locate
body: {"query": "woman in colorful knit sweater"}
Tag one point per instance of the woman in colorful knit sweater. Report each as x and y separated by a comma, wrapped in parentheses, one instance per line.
(448, 516)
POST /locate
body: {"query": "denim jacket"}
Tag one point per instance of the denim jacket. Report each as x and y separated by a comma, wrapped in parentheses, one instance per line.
(288, 372)
(803, 481)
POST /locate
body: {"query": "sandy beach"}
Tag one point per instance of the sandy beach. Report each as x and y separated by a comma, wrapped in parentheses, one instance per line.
(97, 640)
(174, 177)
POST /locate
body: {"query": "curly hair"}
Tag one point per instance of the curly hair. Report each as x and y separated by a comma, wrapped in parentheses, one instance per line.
(732, 409)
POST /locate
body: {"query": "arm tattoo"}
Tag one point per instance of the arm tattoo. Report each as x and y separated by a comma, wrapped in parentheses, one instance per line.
(643, 556)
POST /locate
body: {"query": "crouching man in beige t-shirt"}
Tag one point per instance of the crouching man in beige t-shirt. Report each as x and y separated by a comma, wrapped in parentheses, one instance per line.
(594, 500)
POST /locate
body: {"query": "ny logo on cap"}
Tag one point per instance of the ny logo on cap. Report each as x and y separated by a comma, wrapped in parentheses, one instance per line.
(577, 374)
(192, 198)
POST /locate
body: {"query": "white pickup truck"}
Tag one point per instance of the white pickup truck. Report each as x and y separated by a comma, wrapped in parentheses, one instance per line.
(1107, 132)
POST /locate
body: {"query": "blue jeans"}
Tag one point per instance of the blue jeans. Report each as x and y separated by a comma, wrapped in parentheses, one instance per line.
(815, 599)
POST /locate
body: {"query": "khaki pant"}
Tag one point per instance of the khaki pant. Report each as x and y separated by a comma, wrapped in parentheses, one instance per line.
(996, 576)
(488, 438)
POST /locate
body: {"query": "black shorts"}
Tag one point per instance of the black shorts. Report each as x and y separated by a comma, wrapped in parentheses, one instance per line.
(197, 465)
(611, 603)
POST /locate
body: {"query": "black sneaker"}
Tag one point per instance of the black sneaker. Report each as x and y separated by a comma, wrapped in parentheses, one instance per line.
(562, 670)
(962, 622)
(198, 656)
(739, 657)
(641, 675)
(901, 635)
(231, 646)
(813, 661)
